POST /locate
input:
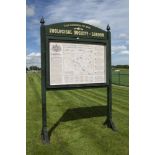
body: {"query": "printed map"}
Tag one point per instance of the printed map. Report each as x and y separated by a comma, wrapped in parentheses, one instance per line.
(73, 63)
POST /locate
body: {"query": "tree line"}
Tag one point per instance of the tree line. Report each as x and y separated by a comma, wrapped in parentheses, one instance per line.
(36, 68)
(121, 66)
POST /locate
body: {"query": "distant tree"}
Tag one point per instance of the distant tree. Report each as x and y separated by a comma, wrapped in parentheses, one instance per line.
(27, 69)
(34, 68)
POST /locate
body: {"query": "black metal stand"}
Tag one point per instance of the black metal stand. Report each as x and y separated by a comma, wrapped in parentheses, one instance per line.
(44, 136)
(44, 132)
(109, 121)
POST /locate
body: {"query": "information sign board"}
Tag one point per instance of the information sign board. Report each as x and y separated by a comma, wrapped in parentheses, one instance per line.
(74, 55)
(74, 63)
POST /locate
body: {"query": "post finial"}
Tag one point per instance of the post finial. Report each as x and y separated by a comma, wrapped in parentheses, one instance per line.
(108, 27)
(42, 21)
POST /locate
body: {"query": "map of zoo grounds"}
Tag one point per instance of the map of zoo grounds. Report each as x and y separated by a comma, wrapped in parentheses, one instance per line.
(73, 63)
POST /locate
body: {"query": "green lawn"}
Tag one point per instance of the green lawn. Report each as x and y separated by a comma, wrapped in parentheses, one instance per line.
(75, 121)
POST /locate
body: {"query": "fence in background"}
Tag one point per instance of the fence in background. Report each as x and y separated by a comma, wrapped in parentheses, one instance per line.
(118, 78)
(121, 79)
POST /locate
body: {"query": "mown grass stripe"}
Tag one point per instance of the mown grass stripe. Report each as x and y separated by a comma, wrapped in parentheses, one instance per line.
(98, 96)
(81, 96)
(70, 137)
(103, 91)
(72, 103)
(90, 126)
(102, 98)
(32, 85)
(32, 115)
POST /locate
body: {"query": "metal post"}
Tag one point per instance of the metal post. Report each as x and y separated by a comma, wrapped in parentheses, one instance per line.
(44, 133)
(119, 77)
(108, 121)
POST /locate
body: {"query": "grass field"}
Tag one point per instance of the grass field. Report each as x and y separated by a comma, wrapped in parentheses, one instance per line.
(75, 121)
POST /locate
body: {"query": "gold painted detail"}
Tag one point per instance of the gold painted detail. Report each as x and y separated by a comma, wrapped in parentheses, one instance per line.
(80, 33)
(59, 31)
(96, 34)
(76, 32)
(77, 25)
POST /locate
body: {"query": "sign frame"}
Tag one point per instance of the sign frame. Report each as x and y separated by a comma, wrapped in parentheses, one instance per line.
(73, 86)
(92, 35)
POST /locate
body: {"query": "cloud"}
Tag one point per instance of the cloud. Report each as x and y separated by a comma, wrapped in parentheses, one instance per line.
(33, 59)
(121, 60)
(30, 10)
(93, 22)
(94, 12)
(118, 48)
(35, 21)
(123, 36)
(124, 52)
(33, 54)
(98, 12)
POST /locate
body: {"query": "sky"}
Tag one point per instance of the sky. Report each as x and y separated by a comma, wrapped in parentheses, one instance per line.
(95, 12)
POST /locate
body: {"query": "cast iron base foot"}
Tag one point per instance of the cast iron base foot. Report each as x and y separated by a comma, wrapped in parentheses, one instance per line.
(109, 123)
(44, 136)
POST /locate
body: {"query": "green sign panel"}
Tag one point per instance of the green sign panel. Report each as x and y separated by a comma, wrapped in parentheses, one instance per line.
(78, 30)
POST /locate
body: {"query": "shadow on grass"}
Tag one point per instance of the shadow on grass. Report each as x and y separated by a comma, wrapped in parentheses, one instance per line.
(80, 113)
